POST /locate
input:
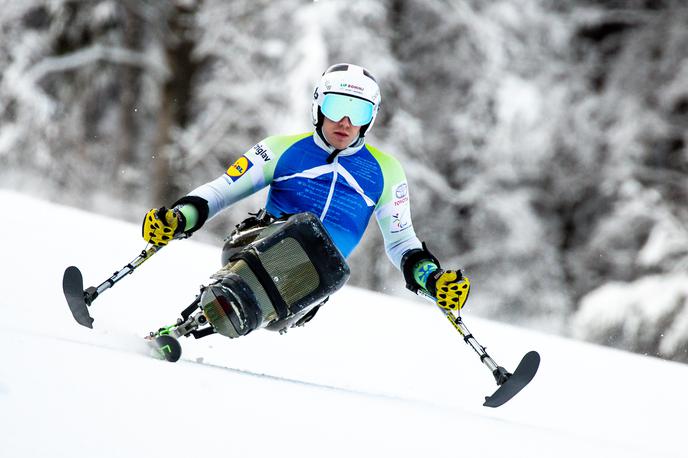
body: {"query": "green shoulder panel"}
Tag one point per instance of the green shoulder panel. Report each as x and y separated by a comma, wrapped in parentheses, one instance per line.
(392, 173)
(393, 210)
(276, 146)
(251, 172)
(282, 142)
(255, 168)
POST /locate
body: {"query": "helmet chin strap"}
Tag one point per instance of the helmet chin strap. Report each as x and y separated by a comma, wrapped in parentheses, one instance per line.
(332, 155)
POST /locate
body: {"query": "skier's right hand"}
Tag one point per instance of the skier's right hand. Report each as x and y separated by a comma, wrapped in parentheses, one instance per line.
(160, 225)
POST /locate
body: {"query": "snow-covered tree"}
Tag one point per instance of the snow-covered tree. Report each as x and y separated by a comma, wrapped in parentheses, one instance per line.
(544, 141)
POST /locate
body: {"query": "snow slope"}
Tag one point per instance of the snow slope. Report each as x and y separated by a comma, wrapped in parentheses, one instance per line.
(398, 383)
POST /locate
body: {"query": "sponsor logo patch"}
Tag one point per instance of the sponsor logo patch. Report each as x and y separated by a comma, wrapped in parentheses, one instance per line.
(239, 167)
(351, 87)
(261, 153)
(400, 221)
(400, 202)
(401, 195)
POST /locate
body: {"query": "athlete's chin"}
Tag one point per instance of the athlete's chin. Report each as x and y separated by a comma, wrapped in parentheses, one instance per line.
(341, 142)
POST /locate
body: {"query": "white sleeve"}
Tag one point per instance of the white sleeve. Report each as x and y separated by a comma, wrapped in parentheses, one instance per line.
(218, 193)
(247, 175)
(393, 215)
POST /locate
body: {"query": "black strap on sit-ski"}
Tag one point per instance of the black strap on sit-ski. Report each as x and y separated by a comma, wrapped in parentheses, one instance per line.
(251, 259)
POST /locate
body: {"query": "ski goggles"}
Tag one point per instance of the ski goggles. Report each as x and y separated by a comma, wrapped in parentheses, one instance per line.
(336, 106)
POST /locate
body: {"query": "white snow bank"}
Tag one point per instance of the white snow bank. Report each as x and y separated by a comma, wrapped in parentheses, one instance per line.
(371, 375)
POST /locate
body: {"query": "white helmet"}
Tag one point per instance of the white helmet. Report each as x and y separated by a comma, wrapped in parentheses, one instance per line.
(346, 90)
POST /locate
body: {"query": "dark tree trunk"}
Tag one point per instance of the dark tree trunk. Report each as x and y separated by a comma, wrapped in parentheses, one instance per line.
(130, 85)
(175, 103)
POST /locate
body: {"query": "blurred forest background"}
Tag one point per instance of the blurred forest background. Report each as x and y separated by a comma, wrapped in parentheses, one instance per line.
(544, 140)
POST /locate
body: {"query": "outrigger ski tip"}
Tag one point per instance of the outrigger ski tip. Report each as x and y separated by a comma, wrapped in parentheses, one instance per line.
(73, 287)
(79, 299)
(511, 384)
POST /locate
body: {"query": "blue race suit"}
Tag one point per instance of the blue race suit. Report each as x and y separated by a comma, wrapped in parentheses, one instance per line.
(344, 193)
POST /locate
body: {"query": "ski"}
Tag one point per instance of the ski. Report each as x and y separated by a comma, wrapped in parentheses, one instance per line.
(165, 347)
(511, 384)
(166, 339)
(77, 299)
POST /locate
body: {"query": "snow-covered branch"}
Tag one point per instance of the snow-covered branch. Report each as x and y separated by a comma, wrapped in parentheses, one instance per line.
(436, 182)
(94, 54)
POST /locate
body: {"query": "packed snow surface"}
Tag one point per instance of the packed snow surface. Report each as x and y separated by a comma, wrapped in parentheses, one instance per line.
(371, 375)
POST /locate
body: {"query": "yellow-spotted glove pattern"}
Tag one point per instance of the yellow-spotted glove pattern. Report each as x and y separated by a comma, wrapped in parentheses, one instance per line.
(160, 225)
(449, 287)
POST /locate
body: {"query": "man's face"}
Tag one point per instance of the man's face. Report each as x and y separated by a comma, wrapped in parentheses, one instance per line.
(340, 134)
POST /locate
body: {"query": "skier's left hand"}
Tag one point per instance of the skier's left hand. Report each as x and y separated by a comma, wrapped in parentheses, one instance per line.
(449, 287)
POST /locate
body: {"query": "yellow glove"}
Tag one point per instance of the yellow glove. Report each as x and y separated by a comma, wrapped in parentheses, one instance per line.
(162, 225)
(449, 287)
